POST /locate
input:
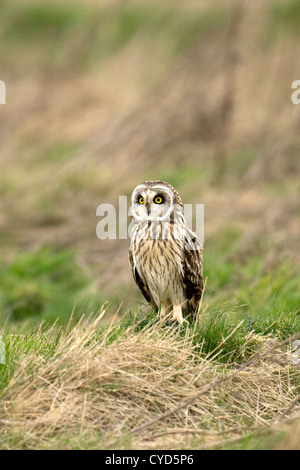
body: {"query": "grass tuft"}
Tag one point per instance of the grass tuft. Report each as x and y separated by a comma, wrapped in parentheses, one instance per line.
(91, 386)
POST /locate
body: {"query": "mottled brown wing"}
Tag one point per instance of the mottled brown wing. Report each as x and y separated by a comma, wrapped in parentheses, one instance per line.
(141, 285)
(192, 270)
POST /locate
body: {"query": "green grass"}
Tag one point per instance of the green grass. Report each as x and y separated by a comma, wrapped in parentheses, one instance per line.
(239, 161)
(41, 340)
(283, 21)
(58, 152)
(34, 21)
(285, 17)
(183, 175)
(79, 35)
(44, 285)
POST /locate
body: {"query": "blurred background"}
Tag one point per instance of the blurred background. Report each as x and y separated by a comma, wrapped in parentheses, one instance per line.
(102, 95)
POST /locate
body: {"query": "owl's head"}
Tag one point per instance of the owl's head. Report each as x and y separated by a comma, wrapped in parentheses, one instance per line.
(154, 200)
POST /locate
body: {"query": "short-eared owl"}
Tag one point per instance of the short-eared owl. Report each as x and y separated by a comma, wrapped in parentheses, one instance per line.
(165, 255)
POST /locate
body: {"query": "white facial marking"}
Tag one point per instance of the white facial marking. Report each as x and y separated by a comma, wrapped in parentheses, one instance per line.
(140, 189)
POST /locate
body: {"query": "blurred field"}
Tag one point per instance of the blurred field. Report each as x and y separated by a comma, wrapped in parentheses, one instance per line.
(104, 95)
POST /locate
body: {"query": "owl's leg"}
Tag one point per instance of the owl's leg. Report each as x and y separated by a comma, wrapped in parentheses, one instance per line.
(164, 307)
(177, 313)
(162, 310)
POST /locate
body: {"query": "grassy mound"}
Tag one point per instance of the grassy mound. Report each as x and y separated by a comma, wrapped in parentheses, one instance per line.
(139, 386)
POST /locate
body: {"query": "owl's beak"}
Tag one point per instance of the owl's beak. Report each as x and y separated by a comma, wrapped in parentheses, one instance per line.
(148, 208)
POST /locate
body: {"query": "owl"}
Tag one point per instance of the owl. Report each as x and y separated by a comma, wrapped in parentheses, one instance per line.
(164, 254)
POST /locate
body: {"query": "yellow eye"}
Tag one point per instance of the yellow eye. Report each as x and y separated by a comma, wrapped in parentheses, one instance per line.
(158, 200)
(141, 200)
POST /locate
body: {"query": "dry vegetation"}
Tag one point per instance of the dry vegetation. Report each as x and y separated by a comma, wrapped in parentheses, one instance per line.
(148, 390)
(99, 98)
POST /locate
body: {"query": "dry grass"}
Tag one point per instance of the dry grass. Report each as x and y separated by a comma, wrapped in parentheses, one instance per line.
(147, 390)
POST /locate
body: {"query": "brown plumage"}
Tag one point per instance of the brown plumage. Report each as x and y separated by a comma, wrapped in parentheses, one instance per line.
(165, 255)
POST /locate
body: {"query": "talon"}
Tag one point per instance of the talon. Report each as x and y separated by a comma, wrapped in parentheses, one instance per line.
(177, 314)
